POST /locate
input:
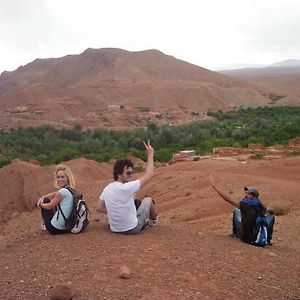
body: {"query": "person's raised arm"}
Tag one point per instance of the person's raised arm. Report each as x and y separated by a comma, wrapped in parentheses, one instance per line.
(150, 164)
(224, 196)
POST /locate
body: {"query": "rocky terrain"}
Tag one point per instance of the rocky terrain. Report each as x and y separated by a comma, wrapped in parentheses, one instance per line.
(189, 255)
(118, 89)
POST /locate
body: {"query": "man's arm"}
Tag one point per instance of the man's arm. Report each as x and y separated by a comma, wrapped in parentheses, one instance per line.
(225, 197)
(150, 164)
(101, 206)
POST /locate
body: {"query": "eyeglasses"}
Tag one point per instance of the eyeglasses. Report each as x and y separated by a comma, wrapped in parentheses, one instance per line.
(129, 172)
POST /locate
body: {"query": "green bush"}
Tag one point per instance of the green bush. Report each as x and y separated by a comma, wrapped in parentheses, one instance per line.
(4, 161)
(293, 153)
(257, 156)
(238, 128)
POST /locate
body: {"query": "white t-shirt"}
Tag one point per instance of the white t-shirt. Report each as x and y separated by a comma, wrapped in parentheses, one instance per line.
(119, 201)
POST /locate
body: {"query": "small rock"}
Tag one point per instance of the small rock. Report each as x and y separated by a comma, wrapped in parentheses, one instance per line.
(62, 292)
(125, 272)
(259, 277)
(15, 215)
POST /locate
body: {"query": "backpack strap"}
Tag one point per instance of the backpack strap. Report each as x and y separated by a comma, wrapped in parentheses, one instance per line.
(60, 210)
(59, 207)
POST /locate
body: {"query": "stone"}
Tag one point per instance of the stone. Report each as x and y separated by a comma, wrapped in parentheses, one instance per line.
(62, 292)
(125, 272)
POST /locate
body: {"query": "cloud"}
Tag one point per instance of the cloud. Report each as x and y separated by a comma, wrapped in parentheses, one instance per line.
(274, 27)
(205, 33)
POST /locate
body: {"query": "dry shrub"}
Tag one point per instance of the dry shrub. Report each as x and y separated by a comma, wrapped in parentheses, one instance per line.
(138, 168)
(257, 156)
(188, 216)
(281, 208)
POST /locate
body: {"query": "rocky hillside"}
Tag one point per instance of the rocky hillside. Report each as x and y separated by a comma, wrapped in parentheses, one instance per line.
(115, 88)
(283, 80)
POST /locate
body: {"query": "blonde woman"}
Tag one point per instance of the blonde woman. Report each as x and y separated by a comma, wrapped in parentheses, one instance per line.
(52, 216)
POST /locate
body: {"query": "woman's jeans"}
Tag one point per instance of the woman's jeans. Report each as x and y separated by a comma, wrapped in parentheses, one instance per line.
(237, 223)
(47, 215)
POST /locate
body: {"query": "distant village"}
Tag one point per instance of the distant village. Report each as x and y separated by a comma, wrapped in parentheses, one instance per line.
(253, 150)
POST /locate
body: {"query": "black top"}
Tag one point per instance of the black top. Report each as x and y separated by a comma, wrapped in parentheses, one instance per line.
(249, 211)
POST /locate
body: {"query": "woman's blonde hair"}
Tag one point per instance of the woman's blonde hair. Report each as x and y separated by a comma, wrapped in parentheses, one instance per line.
(67, 172)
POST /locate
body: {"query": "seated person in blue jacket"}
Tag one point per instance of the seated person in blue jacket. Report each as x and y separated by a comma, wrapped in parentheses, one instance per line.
(54, 222)
(125, 214)
(244, 215)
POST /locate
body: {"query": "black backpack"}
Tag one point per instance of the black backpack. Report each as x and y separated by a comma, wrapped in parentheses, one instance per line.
(78, 219)
(255, 225)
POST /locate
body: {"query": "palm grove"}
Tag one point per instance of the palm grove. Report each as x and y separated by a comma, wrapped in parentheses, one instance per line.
(238, 128)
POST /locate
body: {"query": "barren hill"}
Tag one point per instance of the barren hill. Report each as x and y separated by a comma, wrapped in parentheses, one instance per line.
(285, 81)
(189, 255)
(115, 88)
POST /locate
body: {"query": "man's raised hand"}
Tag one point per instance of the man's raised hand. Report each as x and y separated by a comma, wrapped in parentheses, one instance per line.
(149, 148)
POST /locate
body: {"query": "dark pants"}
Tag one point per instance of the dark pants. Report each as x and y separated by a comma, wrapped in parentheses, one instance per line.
(137, 203)
(47, 215)
(237, 223)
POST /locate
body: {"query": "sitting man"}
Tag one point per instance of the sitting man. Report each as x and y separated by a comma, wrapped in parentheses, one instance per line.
(125, 214)
(245, 213)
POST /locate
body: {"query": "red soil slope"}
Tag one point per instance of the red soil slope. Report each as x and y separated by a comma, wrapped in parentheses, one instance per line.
(188, 256)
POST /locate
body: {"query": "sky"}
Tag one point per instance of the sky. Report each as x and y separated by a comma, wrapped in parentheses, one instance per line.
(208, 33)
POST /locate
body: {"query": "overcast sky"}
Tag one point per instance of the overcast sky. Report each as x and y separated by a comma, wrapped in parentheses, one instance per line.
(208, 33)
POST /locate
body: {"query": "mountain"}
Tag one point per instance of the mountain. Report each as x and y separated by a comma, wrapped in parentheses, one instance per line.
(114, 88)
(281, 78)
(287, 63)
(239, 66)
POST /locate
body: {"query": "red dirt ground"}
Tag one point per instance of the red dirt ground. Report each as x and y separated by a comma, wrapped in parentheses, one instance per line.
(188, 256)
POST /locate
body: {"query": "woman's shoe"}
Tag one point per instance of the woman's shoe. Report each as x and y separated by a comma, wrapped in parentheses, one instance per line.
(43, 226)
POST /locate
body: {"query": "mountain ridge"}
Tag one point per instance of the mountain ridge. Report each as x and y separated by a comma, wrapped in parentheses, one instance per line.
(141, 86)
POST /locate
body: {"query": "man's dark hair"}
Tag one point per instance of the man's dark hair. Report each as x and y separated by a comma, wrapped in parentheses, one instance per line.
(120, 165)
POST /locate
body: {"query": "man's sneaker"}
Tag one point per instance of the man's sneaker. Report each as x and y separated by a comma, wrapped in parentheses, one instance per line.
(43, 226)
(152, 223)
